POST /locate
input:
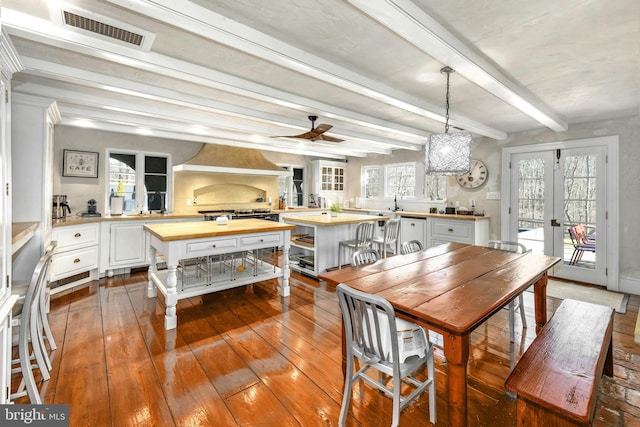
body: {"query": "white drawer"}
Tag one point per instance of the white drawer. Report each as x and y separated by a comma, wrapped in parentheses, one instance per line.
(271, 239)
(457, 231)
(73, 262)
(206, 246)
(75, 236)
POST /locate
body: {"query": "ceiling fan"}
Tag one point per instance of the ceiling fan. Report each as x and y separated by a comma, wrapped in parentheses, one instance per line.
(315, 134)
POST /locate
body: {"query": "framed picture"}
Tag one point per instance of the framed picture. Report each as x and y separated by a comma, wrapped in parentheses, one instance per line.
(83, 164)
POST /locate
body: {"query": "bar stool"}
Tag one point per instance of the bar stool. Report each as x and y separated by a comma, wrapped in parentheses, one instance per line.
(363, 239)
(390, 237)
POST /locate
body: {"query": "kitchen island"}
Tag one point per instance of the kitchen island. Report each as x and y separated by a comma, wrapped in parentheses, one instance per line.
(204, 257)
(315, 240)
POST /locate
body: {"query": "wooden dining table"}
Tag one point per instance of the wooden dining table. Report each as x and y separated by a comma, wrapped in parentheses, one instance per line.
(452, 289)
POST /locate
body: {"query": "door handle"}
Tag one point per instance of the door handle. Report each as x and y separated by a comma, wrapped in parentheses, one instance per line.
(555, 223)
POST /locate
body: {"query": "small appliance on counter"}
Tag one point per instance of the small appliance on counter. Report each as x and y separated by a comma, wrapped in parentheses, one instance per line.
(116, 205)
(91, 210)
(60, 206)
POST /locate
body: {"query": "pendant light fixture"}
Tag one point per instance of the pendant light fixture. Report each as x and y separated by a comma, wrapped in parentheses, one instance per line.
(448, 153)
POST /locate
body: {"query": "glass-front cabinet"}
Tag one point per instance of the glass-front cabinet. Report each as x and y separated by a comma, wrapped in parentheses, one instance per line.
(329, 180)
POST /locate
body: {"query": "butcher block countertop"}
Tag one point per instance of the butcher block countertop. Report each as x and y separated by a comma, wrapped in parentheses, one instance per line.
(328, 220)
(199, 229)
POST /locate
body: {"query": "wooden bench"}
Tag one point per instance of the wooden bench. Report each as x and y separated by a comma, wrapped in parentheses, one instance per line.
(558, 377)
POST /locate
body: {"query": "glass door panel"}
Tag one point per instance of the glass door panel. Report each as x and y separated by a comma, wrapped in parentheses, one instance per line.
(553, 191)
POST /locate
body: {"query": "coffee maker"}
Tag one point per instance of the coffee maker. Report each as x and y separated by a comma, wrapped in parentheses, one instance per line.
(60, 206)
(91, 209)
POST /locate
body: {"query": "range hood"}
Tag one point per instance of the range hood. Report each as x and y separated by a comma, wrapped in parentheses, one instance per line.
(213, 158)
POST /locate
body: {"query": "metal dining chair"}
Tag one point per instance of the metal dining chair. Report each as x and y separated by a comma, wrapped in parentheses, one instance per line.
(363, 239)
(390, 237)
(365, 256)
(516, 247)
(410, 246)
(394, 347)
(26, 315)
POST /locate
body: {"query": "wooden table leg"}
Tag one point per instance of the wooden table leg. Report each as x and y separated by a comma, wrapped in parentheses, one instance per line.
(456, 351)
(540, 301)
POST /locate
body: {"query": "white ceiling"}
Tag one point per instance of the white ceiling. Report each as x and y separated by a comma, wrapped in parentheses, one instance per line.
(237, 72)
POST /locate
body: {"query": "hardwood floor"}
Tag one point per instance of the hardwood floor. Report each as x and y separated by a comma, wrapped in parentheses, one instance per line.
(248, 357)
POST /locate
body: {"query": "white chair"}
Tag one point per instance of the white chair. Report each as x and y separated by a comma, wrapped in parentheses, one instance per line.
(513, 305)
(390, 237)
(29, 315)
(365, 256)
(410, 246)
(392, 346)
(363, 239)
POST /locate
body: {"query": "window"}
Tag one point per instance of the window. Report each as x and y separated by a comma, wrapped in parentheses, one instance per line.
(371, 182)
(291, 188)
(141, 178)
(400, 180)
(435, 187)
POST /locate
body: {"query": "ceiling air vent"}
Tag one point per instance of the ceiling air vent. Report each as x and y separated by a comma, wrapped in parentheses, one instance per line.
(102, 28)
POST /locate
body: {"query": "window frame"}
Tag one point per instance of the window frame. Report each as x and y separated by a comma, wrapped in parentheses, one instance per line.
(141, 204)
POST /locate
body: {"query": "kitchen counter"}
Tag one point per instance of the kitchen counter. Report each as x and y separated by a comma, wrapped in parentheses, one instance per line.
(343, 218)
(419, 214)
(21, 233)
(441, 216)
(167, 232)
(76, 219)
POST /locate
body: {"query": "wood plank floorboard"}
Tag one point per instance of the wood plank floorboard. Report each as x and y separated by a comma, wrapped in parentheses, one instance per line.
(248, 357)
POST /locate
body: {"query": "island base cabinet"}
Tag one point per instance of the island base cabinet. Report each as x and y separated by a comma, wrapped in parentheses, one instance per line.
(319, 249)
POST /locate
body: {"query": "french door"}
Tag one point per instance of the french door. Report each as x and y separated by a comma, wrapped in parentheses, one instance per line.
(551, 188)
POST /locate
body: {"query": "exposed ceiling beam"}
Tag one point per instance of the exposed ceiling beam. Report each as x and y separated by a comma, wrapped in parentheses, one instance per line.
(218, 28)
(409, 21)
(43, 32)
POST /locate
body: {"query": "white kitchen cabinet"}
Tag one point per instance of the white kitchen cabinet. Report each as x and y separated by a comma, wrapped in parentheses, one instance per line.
(432, 229)
(77, 251)
(470, 231)
(413, 228)
(328, 179)
(125, 244)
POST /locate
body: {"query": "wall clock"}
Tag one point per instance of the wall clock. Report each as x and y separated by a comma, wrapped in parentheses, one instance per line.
(475, 177)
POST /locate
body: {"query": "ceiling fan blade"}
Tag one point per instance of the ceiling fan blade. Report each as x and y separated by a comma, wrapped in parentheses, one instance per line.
(315, 134)
(326, 138)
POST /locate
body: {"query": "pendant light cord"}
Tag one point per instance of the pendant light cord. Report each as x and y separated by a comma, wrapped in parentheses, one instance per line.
(447, 70)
